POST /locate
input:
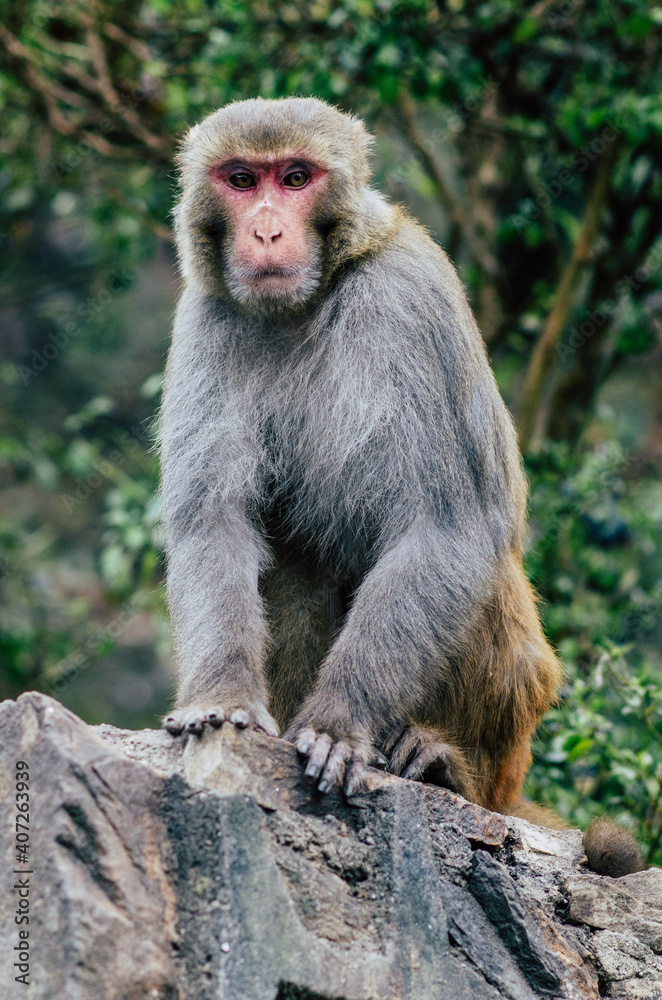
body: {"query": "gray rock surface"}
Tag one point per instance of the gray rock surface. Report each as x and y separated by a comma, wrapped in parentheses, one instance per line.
(159, 870)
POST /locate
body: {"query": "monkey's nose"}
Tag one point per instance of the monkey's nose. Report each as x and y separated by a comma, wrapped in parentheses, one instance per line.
(267, 234)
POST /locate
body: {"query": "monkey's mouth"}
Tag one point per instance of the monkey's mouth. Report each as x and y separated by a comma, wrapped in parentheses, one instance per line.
(255, 274)
(272, 282)
(286, 284)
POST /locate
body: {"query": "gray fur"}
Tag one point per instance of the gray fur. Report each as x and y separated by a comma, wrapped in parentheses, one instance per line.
(358, 443)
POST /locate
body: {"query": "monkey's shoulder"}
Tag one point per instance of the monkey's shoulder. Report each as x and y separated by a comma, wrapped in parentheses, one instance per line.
(410, 288)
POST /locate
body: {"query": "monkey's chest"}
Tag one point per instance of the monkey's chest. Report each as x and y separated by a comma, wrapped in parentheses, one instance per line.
(326, 509)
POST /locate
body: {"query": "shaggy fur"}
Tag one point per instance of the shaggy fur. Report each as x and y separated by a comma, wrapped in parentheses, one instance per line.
(343, 491)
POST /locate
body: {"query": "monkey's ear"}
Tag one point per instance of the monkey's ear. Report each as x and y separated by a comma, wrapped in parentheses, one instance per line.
(191, 135)
(361, 131)
(186, 143)
(365, 142)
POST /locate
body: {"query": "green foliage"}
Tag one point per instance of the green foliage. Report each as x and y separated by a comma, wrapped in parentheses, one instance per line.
(46, 634)
(595, 560)
(601, 750)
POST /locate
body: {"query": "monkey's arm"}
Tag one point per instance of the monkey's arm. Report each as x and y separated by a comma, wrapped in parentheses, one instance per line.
(219, 626)
(446, 449)
(214, 553)
(411, 615)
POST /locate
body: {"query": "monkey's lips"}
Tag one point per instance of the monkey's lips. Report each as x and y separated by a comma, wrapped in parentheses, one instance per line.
(271, 275)
(272, 281)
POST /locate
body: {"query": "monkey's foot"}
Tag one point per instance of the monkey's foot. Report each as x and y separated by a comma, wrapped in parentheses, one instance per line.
(421, 754)
(194, 718)
(340, 762)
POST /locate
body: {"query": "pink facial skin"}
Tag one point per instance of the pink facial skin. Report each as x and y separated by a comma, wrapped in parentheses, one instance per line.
(269, 204)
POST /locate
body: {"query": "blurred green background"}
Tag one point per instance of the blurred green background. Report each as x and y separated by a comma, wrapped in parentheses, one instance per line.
(527, 137)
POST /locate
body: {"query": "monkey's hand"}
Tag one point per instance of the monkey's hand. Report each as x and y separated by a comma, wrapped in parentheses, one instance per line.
(335, 758)
(194, 717)
(421, 753)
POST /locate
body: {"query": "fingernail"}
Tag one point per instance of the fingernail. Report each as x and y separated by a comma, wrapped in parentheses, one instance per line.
(324, 786)
(352, 787)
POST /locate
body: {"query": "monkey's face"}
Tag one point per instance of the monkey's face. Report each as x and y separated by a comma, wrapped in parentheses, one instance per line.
(272, 253)
(274, 202)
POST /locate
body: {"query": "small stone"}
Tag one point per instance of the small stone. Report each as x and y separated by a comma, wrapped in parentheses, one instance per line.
(621, 956)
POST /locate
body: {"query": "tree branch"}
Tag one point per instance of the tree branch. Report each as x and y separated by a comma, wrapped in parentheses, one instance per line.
(543, 354)
(480, 252)
(100, 98)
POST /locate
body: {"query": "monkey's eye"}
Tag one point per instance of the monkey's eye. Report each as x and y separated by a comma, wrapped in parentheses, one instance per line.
(297, 179)
(242, 181)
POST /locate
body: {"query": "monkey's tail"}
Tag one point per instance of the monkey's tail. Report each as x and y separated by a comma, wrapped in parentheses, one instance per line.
(609, 849)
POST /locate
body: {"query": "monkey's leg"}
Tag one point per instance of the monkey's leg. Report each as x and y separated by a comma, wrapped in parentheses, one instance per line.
(504, 682)
(220, 628)
(411, 615)
(300, 625)
(422, 753)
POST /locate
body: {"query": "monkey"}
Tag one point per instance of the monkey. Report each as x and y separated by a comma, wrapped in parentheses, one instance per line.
(342, 488)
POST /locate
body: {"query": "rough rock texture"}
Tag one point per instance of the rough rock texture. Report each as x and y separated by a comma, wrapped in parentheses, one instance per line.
(214, 872)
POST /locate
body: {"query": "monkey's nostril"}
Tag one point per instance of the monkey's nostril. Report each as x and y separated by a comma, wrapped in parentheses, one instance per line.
(266, 237)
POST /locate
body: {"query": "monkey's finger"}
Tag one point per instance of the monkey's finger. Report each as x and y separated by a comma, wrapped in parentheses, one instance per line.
(195, 723)
(379, 760)
(216, 717)
(266, 729)
(306, 741)
(240, 718)
(403, 751)
(173, 725)
(439, 766)
(355, 777)
(417, 767)
(318, 756)
(265, 724)
(334, 769)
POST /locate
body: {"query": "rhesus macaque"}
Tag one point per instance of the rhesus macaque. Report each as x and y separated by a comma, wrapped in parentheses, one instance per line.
(342, 485)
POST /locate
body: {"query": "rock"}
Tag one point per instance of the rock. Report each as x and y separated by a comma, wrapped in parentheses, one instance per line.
(502, 903)
(103, 907)
(162, 870)
(622, 957)
(603, 902)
